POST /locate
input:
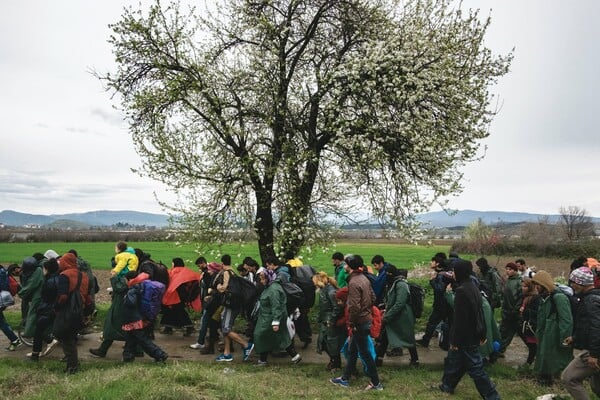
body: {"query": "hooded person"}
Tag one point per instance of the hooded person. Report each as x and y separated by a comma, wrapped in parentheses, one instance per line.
(71, 282)
(554, 327)
(491, 281)
(468, 331)
(32, 279)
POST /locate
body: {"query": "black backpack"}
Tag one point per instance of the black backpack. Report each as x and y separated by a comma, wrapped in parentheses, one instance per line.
(189, 291)
(417, 299)
(241, 293)
(69, 318)
(294, 296)
(302, 276)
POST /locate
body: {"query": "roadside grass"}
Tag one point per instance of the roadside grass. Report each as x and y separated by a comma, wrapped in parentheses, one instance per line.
(182, 380)
(98, 254)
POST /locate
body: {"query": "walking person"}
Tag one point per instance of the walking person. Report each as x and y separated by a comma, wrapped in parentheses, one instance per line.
(467, 333)
(440, 309)
(271, 333)
(360, 302)
(528, 312)
(209, 307)
(554, 327)
(134, 325)
(586, 337)
(511, 304)
(4, 326)
(183, 290)
(331, 338)
(71, 281)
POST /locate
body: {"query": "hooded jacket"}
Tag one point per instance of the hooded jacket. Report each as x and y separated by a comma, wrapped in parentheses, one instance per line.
(67, 266)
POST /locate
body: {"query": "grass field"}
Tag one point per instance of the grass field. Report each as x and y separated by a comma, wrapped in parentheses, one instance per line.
(99, 254)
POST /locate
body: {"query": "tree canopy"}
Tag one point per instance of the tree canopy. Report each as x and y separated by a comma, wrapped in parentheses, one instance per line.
(275, 114)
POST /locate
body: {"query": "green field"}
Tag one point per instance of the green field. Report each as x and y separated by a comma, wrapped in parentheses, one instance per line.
(99, 254)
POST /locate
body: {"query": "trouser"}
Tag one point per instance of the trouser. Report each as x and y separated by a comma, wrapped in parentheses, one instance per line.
(6, 329)
(139, 337)
(509, 327)
(208, 323)
(43, 322)
(467, 360)
(69, 346)
(359, 344)
(576, 372)
(437, 316)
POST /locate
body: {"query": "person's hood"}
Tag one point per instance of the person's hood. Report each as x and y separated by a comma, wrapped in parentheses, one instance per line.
(67, 261)
(142, 276)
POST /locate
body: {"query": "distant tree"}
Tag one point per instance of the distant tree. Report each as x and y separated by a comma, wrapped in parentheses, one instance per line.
(576, 223)
(541, 233)
(272, 114)
(479, 236)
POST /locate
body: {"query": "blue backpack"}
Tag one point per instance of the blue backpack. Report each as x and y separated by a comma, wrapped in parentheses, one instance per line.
(151, 300)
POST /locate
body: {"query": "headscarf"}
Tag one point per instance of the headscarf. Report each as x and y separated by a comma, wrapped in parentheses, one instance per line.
(270, 275)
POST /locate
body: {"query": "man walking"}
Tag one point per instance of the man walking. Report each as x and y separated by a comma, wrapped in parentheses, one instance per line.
(467, 333)
(586, 337)
(360, 301)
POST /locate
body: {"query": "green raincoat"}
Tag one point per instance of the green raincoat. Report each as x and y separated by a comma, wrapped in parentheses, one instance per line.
(31, 293)
(114, 316)
(331, 338)
(272, 309)
(554, 325)
(398, 318)
(492, 332)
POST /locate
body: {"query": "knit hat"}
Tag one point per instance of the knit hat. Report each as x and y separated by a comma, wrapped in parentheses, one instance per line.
(544, 279)
(512, 266)
(50, 254)
(342, 294)
(214, 266)
(582, 276)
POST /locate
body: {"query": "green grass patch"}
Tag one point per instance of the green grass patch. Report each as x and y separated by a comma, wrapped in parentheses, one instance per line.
(182, 380)
(99, 254)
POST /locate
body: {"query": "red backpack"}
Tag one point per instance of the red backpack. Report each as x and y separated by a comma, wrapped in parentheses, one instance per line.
(13, 286)
(376, 322)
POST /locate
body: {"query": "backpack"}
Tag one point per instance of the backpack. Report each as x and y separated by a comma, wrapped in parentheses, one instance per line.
(573, 299)
(417, 299)
(189, 291)
(69, 318)
(302, 276)
(13, 285)
(4, 285)
(240, 293)
(156, 270)
(376, 321)
(151, 299)
(294, 296)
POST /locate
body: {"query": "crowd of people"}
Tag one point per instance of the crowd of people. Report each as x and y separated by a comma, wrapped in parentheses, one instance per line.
(364, 313)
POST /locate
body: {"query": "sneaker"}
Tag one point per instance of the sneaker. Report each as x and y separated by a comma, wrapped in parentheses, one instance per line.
(13, 345)
(261, 363)
(196, 346)
(248, 351)
(162, 358)
(414, 363)
(224, 357)
(370, 386)
(97, 353)
(49, 348)
(297, 358)
(340, 381)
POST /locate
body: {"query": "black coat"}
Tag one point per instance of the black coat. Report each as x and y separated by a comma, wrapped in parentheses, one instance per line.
(468, 327)
(587, 323)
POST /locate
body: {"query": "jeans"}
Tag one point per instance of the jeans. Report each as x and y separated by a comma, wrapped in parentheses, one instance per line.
(206, 323)
(358, 344)
(5, 327)
(467, 359)
(137, 338)
(576, 372)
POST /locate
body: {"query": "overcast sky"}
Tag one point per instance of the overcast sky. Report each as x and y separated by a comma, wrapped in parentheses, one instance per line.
(64, 148)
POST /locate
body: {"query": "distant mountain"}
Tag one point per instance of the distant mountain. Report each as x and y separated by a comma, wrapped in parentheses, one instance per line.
(441, 219)
(94, 218)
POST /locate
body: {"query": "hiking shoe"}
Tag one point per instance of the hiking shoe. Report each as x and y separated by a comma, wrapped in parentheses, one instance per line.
(414, 363)
(397, 352)
(49, 348)
(370, 386)
(166, 330)
(248, 351)
(340, 381)
(14, 344)
(162, 358)
(422, 343)
(261, 363)
(224, 357)
(297, 358)
(196, 346)
(97, 353)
